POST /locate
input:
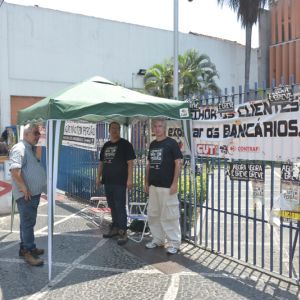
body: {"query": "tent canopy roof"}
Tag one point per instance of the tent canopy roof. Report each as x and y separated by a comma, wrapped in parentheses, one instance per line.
(98, 99)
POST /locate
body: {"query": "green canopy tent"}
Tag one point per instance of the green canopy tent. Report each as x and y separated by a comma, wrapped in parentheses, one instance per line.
(94, 100)
(98, 99)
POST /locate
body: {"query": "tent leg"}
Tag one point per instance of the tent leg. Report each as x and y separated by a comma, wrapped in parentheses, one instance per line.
(52, 170)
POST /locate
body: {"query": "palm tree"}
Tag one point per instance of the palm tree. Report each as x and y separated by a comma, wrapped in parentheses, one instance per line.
(197, 75)
(248, 12)
(159, 80)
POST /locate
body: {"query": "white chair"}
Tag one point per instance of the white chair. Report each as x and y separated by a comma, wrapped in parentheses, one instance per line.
(99, 201)
(100, 210)
(137, 211)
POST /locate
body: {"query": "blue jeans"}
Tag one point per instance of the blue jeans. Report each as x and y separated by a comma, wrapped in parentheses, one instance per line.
(28, 214)
(116, 200)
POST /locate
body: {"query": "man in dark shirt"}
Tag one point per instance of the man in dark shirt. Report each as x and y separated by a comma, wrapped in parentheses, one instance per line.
(161, 181)
(115, 172)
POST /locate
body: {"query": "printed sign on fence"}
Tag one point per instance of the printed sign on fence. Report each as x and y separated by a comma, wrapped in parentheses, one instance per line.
(290, 192)
(247, 171)
(80, 135)
(226, 106)
(258, 188)
(281, 95)
(238, 171)
(290, 215)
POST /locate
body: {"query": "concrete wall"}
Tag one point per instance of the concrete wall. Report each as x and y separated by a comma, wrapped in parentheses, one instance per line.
(43, 51)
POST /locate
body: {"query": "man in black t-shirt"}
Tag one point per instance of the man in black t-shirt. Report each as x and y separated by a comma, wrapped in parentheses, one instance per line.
(115, 172)
(161, 182)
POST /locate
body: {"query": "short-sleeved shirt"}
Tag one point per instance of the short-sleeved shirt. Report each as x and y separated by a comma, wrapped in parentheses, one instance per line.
(114, 157)
(22, 156)
(162, 156)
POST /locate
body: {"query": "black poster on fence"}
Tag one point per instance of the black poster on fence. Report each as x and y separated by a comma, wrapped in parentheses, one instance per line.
(226, 106)
(289, 173)
(247, 171)
(256, 172)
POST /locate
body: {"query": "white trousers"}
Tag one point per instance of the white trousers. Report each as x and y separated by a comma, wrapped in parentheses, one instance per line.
(163, 216)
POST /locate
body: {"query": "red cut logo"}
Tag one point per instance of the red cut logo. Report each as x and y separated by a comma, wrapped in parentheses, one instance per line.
(207, 149)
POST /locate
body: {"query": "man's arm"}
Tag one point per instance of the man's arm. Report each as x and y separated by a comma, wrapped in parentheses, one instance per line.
(130, 174)
(146, 186)
(99, 174)
(177, 171)
(17, 176)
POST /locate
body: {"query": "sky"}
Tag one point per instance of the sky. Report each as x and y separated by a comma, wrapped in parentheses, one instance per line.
(200, 16)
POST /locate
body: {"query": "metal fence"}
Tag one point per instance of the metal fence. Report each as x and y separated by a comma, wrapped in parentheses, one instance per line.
(225, 216)
(227, 219)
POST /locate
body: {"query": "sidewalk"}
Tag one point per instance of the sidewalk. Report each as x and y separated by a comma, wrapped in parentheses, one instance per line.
(86, 266)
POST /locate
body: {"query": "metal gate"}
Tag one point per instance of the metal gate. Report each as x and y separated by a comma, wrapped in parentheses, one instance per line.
(226, 219)
(223, 215)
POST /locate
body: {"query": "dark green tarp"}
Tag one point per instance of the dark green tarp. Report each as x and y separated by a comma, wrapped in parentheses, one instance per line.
(98, 99)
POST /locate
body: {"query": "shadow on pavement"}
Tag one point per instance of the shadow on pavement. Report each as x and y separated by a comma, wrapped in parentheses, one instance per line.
(83, 260)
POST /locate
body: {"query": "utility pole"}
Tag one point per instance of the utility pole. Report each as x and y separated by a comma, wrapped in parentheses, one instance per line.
(175, 30)
(175, 75)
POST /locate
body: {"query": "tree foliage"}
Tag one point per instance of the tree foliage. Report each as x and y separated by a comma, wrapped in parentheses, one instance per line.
(248, 12)
(197, 75)
(158, 80)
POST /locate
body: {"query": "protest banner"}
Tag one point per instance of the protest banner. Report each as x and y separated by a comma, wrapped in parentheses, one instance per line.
(266, 129)
(80, 135)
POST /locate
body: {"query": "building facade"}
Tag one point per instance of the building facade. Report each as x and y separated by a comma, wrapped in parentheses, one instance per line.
(285, 41)
(43, 51)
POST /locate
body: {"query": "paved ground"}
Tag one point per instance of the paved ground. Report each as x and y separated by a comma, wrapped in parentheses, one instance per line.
(86, 266)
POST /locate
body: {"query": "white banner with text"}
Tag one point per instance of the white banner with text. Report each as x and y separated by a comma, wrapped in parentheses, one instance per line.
(80, 135)
(260, 130)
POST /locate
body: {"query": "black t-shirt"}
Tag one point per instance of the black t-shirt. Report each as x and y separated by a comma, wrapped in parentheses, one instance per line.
(162, 156)
(115, 157)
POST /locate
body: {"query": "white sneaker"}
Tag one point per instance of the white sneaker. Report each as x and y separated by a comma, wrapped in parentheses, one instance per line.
(152, 245)
(172, 250)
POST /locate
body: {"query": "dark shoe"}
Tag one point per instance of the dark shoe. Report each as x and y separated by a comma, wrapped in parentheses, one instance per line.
(32, 259)
(123, 238)
(35, 251)
(112, 232)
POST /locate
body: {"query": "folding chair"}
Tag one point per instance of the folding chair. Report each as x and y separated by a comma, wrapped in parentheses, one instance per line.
(99, 201)
(137, 211)
(100, 210)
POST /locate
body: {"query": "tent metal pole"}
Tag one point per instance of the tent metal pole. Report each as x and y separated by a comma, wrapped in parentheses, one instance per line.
(55, 160)
(53, 151)
(193, 173)
(50, 195)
